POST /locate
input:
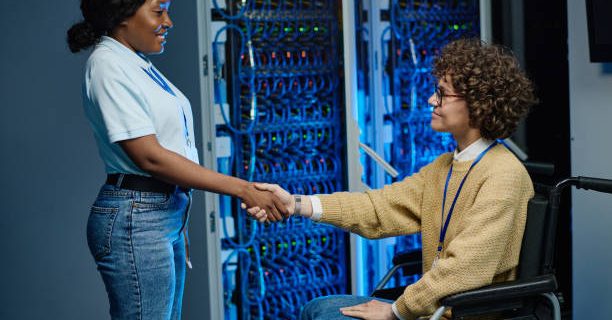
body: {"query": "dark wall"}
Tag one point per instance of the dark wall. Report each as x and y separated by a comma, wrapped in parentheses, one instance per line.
(548, 125)
(544, 52)
(50, 170)
(590, 114)
(49, 167)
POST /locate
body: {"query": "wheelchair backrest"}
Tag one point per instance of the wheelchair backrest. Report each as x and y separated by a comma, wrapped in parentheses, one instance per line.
(534, 246)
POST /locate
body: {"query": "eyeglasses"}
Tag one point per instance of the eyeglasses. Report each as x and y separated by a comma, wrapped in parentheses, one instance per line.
(440, 95)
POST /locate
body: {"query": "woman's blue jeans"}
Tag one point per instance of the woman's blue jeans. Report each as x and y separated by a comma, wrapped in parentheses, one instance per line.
(138, 242)
(328, 308)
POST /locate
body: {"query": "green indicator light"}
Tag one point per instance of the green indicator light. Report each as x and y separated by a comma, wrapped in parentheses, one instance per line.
(456, 27)
(262, 248)
(301, 29)
(316, 29)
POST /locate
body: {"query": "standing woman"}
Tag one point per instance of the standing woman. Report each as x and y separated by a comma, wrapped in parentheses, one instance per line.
(143, 126)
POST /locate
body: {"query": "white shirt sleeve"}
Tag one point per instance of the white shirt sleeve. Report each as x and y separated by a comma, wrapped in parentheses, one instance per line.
(396, 313)
(317, 208)
(120, 103)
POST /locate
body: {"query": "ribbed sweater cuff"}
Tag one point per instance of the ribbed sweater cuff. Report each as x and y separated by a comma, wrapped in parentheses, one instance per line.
(403, 310)
(331, 210)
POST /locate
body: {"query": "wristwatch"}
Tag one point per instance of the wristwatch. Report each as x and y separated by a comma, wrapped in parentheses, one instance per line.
(298, 205)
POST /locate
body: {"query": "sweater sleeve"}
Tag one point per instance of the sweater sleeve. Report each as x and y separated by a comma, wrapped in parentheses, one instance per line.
(390, 211)
(473, 257)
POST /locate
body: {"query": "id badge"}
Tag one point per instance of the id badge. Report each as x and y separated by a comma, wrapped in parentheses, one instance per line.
(435, 261)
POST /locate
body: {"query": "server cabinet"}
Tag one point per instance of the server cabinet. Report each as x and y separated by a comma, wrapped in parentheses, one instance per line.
(277, 91)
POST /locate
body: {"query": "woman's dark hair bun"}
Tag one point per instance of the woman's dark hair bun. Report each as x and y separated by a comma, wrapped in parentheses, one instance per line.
(82, 36)
(100, 17)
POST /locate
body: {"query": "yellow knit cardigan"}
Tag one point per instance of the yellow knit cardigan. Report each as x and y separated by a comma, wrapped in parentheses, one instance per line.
(484, 236)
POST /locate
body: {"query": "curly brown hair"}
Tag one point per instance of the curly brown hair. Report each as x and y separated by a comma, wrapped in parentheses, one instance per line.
(498, 93)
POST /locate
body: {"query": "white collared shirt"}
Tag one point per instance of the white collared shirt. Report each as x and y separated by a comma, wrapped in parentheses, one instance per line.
(472, 151)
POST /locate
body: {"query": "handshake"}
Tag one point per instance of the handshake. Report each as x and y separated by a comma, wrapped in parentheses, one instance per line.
(270, 202)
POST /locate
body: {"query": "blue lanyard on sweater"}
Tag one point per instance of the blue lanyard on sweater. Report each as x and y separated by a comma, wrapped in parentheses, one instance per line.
(444, 227)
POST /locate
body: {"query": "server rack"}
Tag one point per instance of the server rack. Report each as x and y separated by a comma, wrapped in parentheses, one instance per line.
(278, 87)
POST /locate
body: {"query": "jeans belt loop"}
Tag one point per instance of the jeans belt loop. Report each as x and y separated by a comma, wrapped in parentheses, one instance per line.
(119, 181)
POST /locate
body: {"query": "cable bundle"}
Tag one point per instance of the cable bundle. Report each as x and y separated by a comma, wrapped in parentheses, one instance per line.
(277, 66)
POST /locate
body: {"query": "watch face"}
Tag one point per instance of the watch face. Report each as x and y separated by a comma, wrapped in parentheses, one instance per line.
(298, 204)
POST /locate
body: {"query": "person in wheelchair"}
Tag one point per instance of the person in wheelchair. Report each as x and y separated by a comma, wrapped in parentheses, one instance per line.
(469, 205)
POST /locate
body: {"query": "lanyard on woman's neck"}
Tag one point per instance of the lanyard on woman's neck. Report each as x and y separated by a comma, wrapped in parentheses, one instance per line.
(155, 76)
(158, 79)
(444, 227)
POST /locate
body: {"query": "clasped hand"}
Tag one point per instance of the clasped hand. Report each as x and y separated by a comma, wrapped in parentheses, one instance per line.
(265, 202)
(263, 214)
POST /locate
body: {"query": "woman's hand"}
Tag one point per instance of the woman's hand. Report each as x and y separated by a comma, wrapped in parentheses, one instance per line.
(273, 207)
(261, 214)
(285, 197)
(372, 310)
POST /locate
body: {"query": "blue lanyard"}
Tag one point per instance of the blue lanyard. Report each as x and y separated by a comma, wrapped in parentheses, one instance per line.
(164, 85)
(450, 211)
(159, 80)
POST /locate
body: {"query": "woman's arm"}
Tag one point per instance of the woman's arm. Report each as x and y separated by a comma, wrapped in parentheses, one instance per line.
(393, 210)
(161, 163)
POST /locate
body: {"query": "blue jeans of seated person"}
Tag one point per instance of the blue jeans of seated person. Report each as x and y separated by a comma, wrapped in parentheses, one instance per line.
(328, 308)
(137, 241)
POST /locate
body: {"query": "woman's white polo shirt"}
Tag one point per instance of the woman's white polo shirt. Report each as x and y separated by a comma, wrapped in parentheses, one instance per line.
(122, 101)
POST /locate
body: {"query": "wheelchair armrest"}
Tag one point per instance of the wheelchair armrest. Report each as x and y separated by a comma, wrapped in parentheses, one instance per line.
(502, 291)
(408, 256)
(410, 262)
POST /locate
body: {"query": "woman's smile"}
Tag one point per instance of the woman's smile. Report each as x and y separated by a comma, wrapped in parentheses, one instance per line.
(147, 29)
(162, 36)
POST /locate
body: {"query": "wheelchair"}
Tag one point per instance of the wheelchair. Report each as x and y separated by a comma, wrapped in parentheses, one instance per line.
(535, 283)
